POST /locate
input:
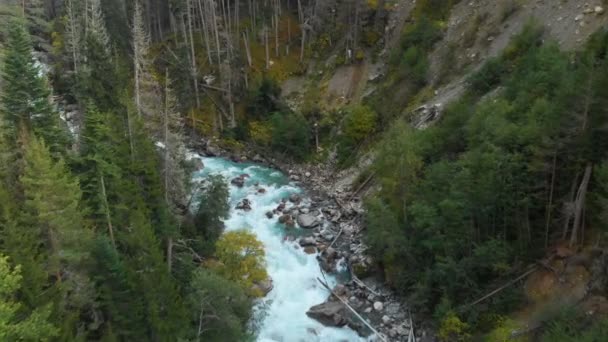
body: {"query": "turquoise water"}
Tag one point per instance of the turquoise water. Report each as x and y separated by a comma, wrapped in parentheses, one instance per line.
(281, 315)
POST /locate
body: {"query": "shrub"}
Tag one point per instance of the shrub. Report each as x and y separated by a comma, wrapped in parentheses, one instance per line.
(452, 329)
(241, 258)
(260, 132)
(290, 134)
(360, 122)
(262, 100)
(488, 77)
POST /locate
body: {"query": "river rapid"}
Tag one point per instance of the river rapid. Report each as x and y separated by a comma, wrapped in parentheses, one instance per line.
(281, 315)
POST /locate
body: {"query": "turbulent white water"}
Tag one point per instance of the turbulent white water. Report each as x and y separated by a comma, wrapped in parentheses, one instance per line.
(281, 315)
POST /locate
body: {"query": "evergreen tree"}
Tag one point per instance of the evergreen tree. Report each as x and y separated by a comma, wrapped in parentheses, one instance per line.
(26, 95)
(13, 327)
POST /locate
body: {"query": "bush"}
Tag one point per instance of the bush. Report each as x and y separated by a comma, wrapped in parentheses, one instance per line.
(223, 307)
(488, 77)
(262, 101)
(290, 135)
(359, 122)
(241, 258)
(260, 132)
(452, 329)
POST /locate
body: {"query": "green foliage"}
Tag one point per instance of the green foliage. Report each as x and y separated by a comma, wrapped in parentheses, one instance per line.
(488, 77)
(435, 9)
(25, 96)
(263, 99)
(570, 326)
(14, 327)
(503, 331)
(452, 329)
(466, 200)
(241, 258)
(494, 70)
(212, 211)
(359, 122)
(290, 135)
(218, 306)
(416, 41)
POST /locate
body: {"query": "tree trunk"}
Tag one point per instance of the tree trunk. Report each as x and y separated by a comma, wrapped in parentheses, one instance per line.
(193, 57)
(580, 204)
(247, 51)
(106, 208)
(550, 204)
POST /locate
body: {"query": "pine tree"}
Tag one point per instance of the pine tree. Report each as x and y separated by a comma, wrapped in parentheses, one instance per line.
(25, 100)
(13, 327)
(52, 208)
(51, 240)
(120, 301)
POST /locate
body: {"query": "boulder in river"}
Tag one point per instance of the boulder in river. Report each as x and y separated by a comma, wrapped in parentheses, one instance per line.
(308, 241)
(287, 220)
(269, 214)
(332, 314)
(295, 198)
(245, 205)
(307, 221)
(310, 250)
(238, 182)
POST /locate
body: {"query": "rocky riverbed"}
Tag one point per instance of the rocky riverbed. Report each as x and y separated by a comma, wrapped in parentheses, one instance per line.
(332, 221)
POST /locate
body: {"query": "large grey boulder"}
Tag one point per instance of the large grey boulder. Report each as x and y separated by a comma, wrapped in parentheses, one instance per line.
(307, 221)
(331, 314)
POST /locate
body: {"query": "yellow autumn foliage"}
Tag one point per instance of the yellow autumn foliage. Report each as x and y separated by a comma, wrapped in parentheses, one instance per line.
(241, 259)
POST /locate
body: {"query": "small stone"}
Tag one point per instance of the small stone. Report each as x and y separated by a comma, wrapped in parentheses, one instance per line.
(294, 198)
(310, 250)
(386, 319)
(307, 174)
(340, 290)
(378, 306)
(371, 297)
(392, 333)
(579, 17)
(327, 235)
(599, 10)
(368, 309)
(307, 241)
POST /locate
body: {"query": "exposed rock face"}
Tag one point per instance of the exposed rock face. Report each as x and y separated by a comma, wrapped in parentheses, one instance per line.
(307, 221)
(332, 314)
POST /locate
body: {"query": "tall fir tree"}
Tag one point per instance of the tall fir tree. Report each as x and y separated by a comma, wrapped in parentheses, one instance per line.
(26, 96)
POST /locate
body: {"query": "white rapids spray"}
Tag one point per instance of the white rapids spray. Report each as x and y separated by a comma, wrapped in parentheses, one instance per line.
(281, 315)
